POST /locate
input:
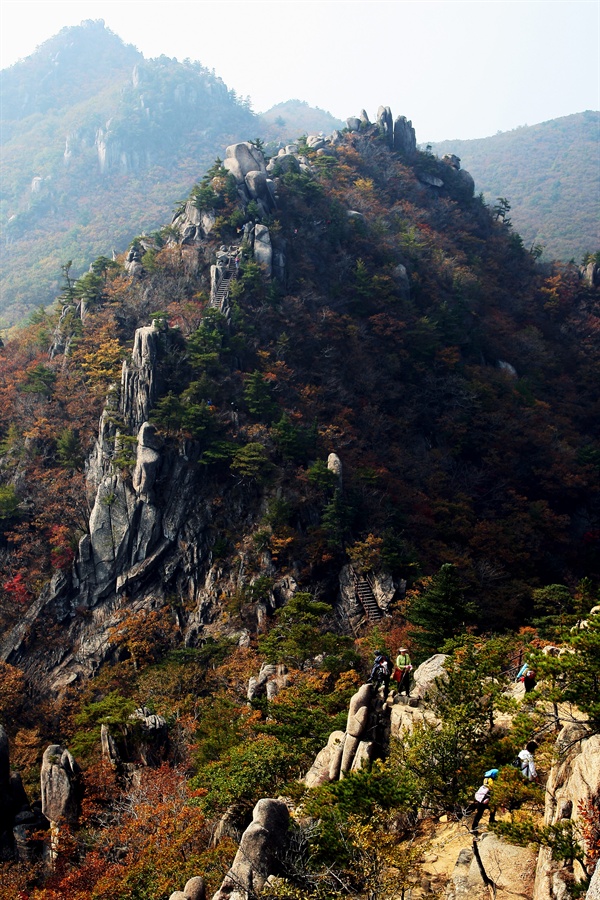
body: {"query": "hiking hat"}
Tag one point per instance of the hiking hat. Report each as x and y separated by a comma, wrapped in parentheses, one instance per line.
(491, 773)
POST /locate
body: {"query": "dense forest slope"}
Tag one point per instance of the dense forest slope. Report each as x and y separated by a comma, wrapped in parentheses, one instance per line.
(342, 407)
(394, 321)
(550, 173)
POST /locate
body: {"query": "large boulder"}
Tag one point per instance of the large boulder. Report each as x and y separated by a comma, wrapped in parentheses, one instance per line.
(362, 719)
(315, 141)
(386, 123)
(283, 163)
(351, 745)
(425, 675)
(574, 779)
(467, 181)
(363, 756)
(138, 376)
(263, 251)
(367, 734)
(242, 158)
(110, 525)
(195, 889)
(405, 718)
(405, 141)
(327, 760)
(261, 188)
(358, 711)
(60, 785)
(269, 681)
(590, 274)
(593, 892)
(334, 465)
(260, 846)
(510, 868)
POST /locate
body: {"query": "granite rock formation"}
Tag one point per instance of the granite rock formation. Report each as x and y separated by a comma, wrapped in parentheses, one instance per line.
(574, 779)
(510, 871)
(60, 785)
(257, 856)
(366, 736)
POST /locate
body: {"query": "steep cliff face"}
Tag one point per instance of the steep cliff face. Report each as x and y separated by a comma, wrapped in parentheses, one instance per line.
(162, 508)
(573, 784)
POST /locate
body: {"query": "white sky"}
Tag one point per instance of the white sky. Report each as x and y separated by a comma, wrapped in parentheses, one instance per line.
(457, 68)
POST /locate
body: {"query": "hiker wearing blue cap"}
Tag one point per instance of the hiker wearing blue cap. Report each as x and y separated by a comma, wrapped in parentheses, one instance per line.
(482, 798)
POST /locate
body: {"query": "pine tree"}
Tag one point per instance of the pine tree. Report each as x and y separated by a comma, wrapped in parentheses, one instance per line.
(439, 611)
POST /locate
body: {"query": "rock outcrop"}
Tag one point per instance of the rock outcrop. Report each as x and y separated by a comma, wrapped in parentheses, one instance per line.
(573, 780)
(149, 523)
(405, 141)
(21, 823)
(590, 274)
(408, 713)
(194, 889)
(593, 892)
(366, 736)
(424, 677)
(60, 786)
(383, 587)
(510, 871)
(269, 681)
(247, 165)
(257, 857)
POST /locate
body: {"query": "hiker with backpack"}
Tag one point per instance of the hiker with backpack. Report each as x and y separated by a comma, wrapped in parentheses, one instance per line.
(527, 762)
(381, 671)
(402, 671)
(482, 798)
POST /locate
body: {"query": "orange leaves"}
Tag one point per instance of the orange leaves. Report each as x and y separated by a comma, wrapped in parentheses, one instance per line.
(148, 840)
(144, 634)
(364, 185)
(589, 810)
(61, 546)
(366, 554)
(12, 687)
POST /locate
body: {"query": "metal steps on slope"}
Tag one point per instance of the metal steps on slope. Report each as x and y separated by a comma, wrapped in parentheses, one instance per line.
(365, 594)
(222, 292)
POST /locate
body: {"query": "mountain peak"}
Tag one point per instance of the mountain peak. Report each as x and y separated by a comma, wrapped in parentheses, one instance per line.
(65, 69)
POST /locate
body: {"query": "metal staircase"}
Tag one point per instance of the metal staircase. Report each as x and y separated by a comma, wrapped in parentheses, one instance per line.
(366, 597)
(222, 292)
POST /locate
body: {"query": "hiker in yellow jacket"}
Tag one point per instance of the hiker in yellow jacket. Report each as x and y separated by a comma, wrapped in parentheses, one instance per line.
(403, 670)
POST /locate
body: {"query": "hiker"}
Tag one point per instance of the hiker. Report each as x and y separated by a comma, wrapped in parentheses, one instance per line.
(529, 680)
(481, 800)
(381, 671)
(403, 670)
(521, 673)
(528, 768)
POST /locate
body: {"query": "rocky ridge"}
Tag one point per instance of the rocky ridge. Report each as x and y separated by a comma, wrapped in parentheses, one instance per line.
(139, 524)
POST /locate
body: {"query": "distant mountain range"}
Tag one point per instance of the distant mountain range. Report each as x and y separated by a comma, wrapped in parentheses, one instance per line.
(99, 144)
(550, 173)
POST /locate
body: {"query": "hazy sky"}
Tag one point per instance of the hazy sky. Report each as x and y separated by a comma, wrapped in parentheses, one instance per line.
(457, 68)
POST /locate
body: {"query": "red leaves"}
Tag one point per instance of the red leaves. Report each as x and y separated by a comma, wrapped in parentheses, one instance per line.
(16, 590)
